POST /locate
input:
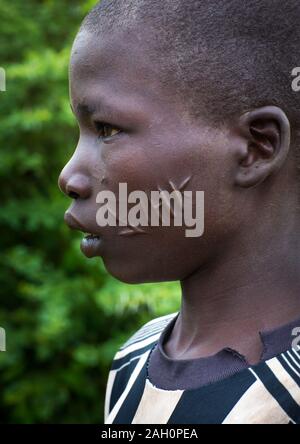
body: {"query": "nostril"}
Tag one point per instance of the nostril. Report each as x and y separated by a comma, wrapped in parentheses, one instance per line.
(77, 186)
(73, 195)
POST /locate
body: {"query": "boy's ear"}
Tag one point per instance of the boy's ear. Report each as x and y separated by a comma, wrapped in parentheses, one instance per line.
(266, 137)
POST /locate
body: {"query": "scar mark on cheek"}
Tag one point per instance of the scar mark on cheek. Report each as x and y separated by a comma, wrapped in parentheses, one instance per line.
(165, 201)
(183, 184)
(132, 231)
(127, 231)
(180, 188)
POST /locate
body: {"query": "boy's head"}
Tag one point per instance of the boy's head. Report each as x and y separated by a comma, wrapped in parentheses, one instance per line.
(196, 93)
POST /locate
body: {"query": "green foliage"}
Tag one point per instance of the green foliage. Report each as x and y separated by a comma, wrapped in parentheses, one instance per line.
(64, 315)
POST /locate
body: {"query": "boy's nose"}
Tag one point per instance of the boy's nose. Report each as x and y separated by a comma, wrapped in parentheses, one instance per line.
(76, 186)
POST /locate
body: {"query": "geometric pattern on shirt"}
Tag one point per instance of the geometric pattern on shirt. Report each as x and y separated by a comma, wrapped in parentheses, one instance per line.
(267, 393)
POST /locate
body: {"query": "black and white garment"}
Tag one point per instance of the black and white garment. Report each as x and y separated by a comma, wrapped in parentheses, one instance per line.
(222, 389)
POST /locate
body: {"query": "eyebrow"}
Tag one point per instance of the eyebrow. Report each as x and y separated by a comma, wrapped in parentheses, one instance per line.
(86, 110)
(127, 111)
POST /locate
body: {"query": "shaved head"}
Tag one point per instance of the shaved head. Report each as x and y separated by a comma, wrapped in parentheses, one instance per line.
(221, 58)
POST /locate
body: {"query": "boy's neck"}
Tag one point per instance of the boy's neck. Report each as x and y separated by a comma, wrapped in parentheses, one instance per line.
(256, 288)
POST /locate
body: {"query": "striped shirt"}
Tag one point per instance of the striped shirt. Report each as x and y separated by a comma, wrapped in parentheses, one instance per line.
(268, 392)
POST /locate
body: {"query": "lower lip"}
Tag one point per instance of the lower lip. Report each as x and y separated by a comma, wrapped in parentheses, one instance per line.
(90, 246)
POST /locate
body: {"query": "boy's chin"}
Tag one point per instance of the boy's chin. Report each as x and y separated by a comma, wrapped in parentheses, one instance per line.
(132, 274)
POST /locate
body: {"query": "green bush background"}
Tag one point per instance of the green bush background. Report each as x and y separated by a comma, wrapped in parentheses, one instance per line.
(64, 316)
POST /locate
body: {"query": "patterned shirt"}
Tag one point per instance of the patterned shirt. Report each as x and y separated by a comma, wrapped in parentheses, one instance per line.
(221, 389)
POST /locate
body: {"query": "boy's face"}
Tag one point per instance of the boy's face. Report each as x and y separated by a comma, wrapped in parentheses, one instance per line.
(149, 143)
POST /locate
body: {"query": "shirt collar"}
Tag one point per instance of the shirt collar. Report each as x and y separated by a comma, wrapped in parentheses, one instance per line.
(191, 373)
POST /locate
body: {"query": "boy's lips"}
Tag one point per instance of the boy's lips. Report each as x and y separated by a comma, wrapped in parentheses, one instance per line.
(73, 223)
(91, 243)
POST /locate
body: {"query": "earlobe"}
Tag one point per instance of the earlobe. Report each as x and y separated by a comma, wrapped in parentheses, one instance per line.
(266, 142)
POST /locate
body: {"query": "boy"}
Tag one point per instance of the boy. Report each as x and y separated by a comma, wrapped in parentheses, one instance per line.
(196, 95)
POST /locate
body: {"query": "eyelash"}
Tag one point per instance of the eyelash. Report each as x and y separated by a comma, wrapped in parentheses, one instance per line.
(102, 126)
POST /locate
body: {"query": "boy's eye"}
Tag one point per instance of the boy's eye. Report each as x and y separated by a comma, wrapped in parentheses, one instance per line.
(106, 130)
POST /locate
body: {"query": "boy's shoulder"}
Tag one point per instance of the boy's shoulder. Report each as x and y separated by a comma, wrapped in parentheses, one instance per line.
(130, 358)
(141, 341)
(147, 333)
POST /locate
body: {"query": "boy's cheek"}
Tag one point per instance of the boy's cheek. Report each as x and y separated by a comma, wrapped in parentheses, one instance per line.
(135, 167)
(185, 167)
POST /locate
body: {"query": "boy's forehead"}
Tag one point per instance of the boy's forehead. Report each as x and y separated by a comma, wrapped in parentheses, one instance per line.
(110, 56)
(119, 68)
(119, 64)
(91, 55)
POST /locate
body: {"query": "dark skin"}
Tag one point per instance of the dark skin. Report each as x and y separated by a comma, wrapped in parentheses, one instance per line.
(243, 275)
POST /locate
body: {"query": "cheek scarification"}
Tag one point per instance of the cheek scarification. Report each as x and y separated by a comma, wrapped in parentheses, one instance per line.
(134, 230)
